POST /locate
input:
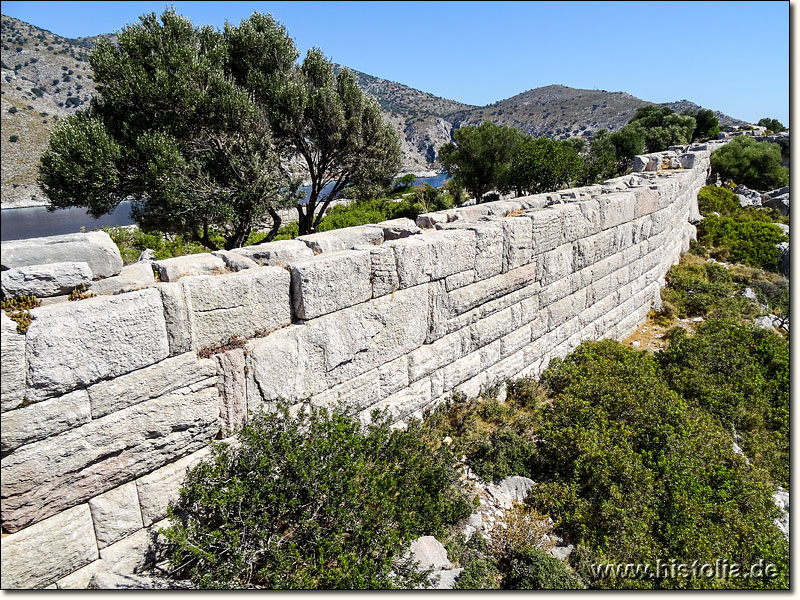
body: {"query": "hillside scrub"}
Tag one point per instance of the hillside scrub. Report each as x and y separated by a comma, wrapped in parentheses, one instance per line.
(313, 502)
(754, 164)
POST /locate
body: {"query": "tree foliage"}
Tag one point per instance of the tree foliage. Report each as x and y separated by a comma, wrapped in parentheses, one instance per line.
(543, 165)
(480, 159)
(196, 126)
(754, 164)
(337, 131)
(662, 127)
(706, 124)
(773, 125)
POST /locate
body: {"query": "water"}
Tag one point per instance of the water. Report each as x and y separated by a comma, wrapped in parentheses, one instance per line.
(37, 221)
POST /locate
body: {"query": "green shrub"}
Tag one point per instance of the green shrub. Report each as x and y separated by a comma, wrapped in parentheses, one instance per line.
(533, 569)
(751, 242)
(313, 501)
(480, 574)
(712, 199)
(754, 164)
(131, 241)
(13, 138)
(740, 374)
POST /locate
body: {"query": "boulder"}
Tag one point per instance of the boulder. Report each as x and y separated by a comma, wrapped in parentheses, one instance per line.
(396, 229)
(53, 279)
(429, 553)
(234, 260)
(516, 487)
(95, 248)
(147, 255)
(343, 239)
(784, 248)
(172, 269)
(747, 197)
(778, 201)
(276, 254)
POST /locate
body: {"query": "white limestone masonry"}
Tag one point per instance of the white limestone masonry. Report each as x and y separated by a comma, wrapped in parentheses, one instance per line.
(107, 401)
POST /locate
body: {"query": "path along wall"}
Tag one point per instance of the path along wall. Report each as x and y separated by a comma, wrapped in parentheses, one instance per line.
(106, 401)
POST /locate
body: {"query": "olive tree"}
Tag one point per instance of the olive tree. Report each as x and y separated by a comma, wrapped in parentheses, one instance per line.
(663, 127)
(173, 129)
(336, 131)
(544, 165)
(754, 164)
(480, 158)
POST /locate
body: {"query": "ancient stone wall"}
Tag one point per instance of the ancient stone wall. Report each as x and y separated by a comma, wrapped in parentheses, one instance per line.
(107, 401)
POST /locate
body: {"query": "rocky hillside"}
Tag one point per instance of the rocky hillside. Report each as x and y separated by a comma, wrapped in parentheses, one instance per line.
(46, 76)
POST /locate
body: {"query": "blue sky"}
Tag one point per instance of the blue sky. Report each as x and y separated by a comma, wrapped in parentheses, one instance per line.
(728, 56)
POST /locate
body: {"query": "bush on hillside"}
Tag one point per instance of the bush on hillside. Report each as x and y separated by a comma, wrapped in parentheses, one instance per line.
(313, 501)
(751, 242)
(754, 164)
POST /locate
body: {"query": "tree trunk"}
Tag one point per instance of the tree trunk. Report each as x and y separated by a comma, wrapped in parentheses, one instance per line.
(276, 225)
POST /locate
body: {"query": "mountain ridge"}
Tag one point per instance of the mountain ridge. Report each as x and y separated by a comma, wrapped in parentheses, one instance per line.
(46, 76)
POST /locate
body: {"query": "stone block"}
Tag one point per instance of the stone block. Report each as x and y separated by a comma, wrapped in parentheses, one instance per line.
(488, 246)
(459, 280)
(383, 271)
(276, 254)
(450, 252)
(396, 229)
(330, 282)
(48, 550)
(176, 318)
(43, 478)
(469, 297)
(516, 340)
(431, 357)
(517, 242)
(244, 304)
(354, 395)
(566, 308)
(41, 420)
(53, 279)
(235, 261)
(555, 265)
(646, 202)
(412, 257)
(172, 269)
(394, 376)
(12, 364)
(183, 374)
(157, 490)
(125, 581)
(343, 239)
(76, 344)
(616, 208)
(430, 220)
(403, 403)
(116, 514)
(95, 248)
(232, 389)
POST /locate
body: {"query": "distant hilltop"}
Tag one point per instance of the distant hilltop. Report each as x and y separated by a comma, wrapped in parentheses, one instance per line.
(46, 76)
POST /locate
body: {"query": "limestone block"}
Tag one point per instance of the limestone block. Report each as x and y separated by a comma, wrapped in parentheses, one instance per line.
(116, 285)
(243, 304)
(41, 420)
(95, 248)
(450, 252)
(567, 308)
(343, 239)
(383, 271)
(459, 280)
(235, 261)
(277, 368)
(412, 257)
(276, 254)
(584, 253)
(496, 326)
(52, 279)
(616, 208)
(488, 246)
(429, 358)
(330, 282)
(116, 514)
(176, 318)
(125, 581)
(470, 365)
(45, 477)
(646, 201)
(232, 389)
(79, 580)
(355, 395)
(76, 344)
(12, 364)
(48, 550)
(538, 326)
(394, 376)
(516, 340)
(401, 404)
(157, 490)
(395, 229)
(183, 374)
(355, 340)
(438, 311)
(640, 163)
(505, 369)
(517, 242)
(132, 553)
(480, 292)
(559, 289)
(555, 265)
(430, 220)
(172, 269)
